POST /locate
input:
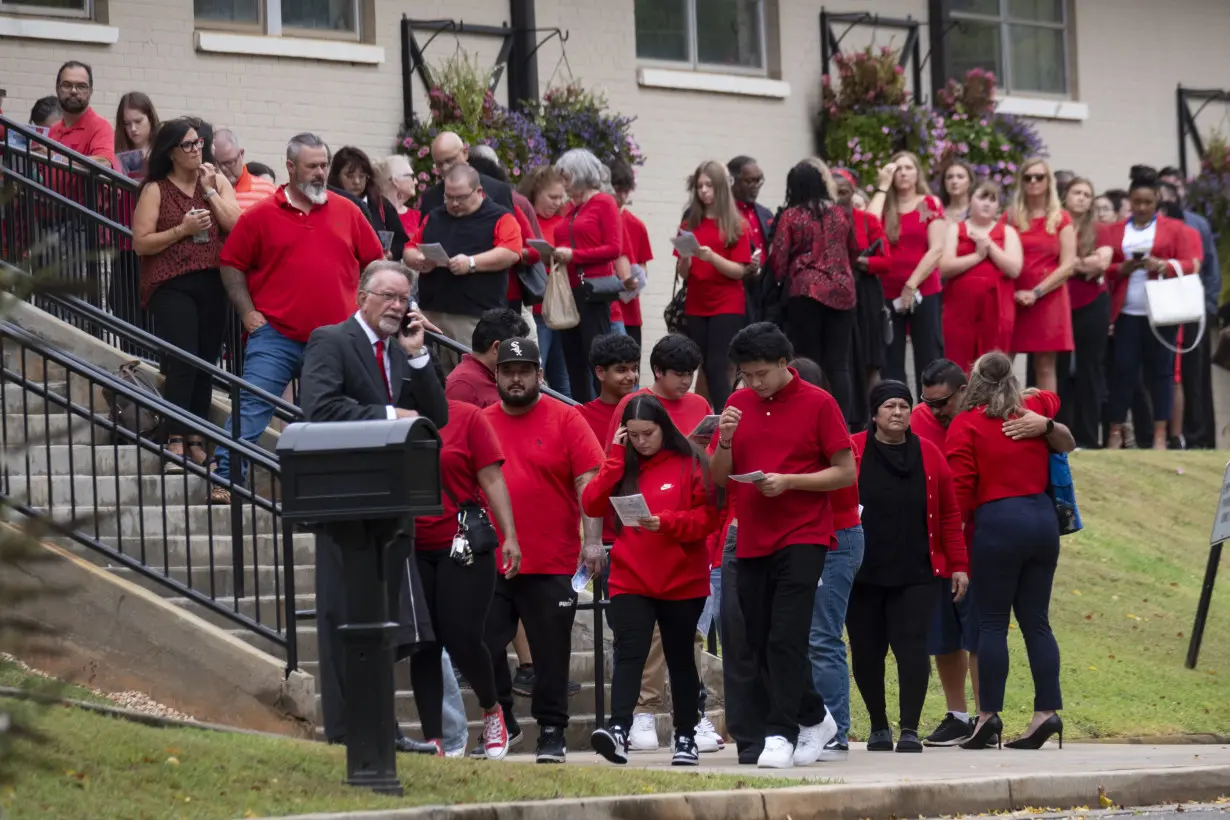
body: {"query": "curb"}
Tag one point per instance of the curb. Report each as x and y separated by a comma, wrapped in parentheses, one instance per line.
(1143, 787)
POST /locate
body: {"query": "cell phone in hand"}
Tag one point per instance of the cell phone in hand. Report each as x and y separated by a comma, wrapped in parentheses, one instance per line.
(1138, 255)
(409, 320)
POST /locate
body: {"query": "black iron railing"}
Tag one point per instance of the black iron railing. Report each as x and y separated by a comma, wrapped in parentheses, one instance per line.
(115, 490)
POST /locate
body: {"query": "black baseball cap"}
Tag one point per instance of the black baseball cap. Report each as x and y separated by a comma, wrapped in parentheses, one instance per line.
(517, 350)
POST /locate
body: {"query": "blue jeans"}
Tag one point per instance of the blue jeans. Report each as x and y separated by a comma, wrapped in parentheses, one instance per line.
(827, 651)
(454, 711)
(551, 347)
(711, 614)
(270, 362)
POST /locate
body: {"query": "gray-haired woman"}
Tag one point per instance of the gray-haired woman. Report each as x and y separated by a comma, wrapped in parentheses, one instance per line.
(588, 241)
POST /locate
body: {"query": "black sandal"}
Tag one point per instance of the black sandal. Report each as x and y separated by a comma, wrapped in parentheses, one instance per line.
(173, 467)
(197, 443)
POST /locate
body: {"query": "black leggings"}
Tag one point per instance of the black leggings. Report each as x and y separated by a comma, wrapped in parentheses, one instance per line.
(926, 331)
(900, 617)
(713, 334)
(1082, 383)
(576, 341)
(825, 336)
(189, 312)
(632, 620)
(458, 599)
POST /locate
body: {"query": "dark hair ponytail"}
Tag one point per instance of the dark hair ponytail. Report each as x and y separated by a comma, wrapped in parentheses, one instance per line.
(647, 407)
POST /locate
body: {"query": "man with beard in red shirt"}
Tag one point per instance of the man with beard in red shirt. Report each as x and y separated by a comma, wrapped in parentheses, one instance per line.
(550, 454)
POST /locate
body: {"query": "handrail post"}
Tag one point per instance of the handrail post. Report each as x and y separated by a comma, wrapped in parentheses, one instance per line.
(236, 460)
(599, 650)
(288, 567)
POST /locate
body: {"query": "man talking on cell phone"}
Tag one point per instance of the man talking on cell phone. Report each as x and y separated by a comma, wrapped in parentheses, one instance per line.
(371, 367)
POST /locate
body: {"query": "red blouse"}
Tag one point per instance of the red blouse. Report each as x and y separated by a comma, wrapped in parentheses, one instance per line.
(867, 229)
(813, 255)
(594, 233)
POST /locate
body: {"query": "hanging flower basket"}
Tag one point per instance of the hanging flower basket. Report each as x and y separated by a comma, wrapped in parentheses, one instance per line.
(572, 117)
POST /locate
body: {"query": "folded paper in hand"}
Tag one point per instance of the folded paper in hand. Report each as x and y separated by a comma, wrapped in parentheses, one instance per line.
(707, 427)
(686, 244)
(749, 478)
(435, 252)
(630, 509)
(545, 249)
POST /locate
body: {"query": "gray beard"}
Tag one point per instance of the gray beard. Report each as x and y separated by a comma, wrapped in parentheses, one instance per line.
(316, 194)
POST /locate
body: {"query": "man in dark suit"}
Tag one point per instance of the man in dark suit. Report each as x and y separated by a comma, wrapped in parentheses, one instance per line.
(763, 298)
(366, 369)
(447, 151)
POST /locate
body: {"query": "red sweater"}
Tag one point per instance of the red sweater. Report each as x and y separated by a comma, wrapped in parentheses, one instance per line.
(988, 466)
(672, 563)
(947, 545)
(1169, 243)
(845, 501)
(594, 233)
(867, 229)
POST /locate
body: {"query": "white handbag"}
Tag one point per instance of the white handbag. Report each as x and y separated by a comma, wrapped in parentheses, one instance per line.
(1178, 300)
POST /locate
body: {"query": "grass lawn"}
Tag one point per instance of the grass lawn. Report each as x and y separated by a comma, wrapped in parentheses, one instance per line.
(103, 768)
(1124, 601)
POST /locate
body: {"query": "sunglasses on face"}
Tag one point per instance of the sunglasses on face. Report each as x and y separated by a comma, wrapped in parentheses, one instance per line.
(1034, 177)
(938, 404)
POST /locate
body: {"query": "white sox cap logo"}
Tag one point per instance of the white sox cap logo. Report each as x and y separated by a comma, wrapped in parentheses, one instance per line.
(516, 348)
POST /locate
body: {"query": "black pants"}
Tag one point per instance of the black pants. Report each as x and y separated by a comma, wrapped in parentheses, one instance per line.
(1199, 425)
(595, 321)
(926, 332)
(189, 312)
(740, 675)
(632, 620)
(457, 599)
(712, 335)
(124, 294)
(1015, 550)
(1082, 375)
(1137, 349)
(777, 593)
(634, 333)
(826, 336)
(899, 617)
(546, 606)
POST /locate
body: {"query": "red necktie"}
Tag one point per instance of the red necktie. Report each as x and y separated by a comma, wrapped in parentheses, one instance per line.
(384, 376)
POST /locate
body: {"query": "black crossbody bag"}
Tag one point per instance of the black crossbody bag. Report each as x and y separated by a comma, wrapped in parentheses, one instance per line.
(602, 289)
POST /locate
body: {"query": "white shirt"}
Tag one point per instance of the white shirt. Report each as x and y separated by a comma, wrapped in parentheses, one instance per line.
(418, 362)
(1137, 240)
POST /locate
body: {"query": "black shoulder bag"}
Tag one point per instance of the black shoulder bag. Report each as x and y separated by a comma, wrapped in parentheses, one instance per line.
(475, 533)
(601, 289)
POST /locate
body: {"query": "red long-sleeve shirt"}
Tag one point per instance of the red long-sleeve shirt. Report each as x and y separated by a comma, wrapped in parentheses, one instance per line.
(867, 229)
(672, 563)
(594, 233)
(1169, 243)
(987, 465)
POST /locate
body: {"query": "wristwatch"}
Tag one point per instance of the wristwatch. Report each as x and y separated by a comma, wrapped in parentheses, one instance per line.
(210, 192)
(1037, 293)
(473, 267)
(1050, 426)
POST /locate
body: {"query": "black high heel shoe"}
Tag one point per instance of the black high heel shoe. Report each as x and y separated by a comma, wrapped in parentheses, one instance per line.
(1051, 726)
(991, 728)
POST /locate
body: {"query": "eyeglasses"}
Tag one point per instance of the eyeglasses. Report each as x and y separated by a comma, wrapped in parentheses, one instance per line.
(188, 146)
(1034, 177)
(457, 200)
(80, 88)
(395, 298)
(937, 404)
(356, 175)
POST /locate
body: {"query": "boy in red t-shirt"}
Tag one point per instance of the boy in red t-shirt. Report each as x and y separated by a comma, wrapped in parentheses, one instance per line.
(786, 445)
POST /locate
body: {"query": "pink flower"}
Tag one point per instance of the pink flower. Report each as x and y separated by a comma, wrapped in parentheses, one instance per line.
(826, 80)
(962, 148)
(884, 129)
(407, 143)
(424, 151)
(886, 50)
(1012, 167)
(1009, 180)
(423, 176)
(1005, 148)
(516, 171)
(898, 70)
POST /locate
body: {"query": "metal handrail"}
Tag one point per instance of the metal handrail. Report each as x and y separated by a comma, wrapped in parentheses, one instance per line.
(112, 176)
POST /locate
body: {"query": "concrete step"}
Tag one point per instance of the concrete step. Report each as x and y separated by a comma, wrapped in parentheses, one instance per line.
(18, 401)
(38, 430)
(262, 608)
(408, 711)
(222, 579)
(106, 490)
(153, 521)
(174, 551)
(580, 664)
(30, 364)
(82, 459)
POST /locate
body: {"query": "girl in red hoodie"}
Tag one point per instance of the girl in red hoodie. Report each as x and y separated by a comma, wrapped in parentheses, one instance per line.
(659, 568)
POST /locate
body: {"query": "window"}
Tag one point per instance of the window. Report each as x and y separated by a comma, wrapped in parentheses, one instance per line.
(1025, 42)
(721, 35)
(48, 8)
(307, 17)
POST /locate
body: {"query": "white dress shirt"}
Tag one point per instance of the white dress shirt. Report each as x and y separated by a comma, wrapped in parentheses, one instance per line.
(418, 362)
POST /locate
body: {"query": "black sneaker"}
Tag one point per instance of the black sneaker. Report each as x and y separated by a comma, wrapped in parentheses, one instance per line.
(574, 689)
(515, 736)
(750, 755)
(835, 750)
(611, 743)
(909, 742)
(523, 681)
(881, 740)
(551, 745)
(1176, 443)
(952, 731)
(686, 752)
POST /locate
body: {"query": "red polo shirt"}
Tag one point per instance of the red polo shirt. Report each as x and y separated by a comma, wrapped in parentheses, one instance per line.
(926, 426)
(471, 382)
(639, 252)
(302, 269)
(795, 431)
(686, 412)
(468, 444)
(90, 135)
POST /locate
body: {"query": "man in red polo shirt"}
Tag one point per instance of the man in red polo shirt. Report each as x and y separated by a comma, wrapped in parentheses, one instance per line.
(81, 129)
(786, 445)
(473, 379)
(674, 361)
(229, 158)
(291, 265)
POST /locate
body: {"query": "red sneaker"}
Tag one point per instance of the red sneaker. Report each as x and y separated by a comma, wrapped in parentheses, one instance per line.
(495, 734)
(439, 744)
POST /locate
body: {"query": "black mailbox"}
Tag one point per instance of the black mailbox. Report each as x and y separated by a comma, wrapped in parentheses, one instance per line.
(360, 470)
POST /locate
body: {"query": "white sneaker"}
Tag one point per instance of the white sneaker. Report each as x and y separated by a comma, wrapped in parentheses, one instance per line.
(778, 753)
(707, 737)
(813, 739)
(644, 734)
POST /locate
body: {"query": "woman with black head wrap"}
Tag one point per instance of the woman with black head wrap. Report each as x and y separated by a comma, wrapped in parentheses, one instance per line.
(913, 552)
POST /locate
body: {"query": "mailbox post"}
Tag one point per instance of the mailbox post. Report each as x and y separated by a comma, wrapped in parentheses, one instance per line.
(361, 483)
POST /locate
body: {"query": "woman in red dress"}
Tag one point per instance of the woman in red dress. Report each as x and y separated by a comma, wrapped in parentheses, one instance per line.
(982, 258)
(914, 224)
(959, 182)
(1044, 315)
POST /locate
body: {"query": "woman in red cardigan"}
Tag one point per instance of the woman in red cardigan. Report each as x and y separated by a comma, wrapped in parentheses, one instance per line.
(999, 448)
(659, 567)
(1146, 246)
(912, 537)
